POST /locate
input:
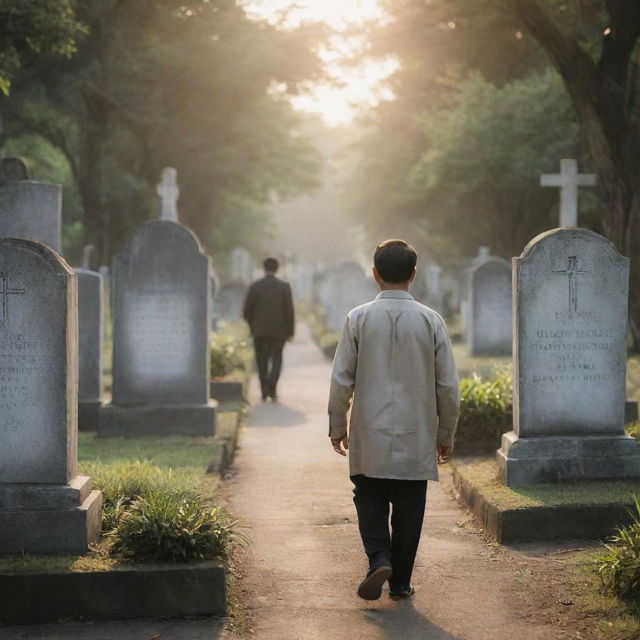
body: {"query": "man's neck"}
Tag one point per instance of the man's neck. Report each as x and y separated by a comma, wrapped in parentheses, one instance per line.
(269, 273)
(393, 286)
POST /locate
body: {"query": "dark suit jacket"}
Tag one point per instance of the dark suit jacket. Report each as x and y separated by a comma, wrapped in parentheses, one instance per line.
(268, 308)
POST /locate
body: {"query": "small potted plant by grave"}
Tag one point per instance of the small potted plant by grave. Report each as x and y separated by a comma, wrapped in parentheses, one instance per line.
(229, 370)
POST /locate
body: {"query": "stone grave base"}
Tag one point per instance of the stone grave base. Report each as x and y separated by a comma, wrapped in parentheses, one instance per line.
(49, 518)
(126, 593)
(118, 421)
(530, 461)
(227, 391)
(541, 522)
(89, 415)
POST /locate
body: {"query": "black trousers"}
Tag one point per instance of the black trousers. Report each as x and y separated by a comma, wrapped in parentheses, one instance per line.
(269, 360)
(372, 497)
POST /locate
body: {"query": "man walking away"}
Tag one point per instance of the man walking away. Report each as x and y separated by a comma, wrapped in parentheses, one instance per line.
(268, 309)
(395, 361)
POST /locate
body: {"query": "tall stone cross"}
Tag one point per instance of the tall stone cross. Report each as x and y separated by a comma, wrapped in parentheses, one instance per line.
(572, 272)
(169, 193)
(568, 180)
(5, 292)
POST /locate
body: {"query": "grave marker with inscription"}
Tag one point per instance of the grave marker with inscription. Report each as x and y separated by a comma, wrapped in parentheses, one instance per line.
(570, 308)
(161, 327)
(45, 507)
(490, 330)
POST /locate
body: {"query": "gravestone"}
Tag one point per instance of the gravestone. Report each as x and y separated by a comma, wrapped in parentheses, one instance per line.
(231, 300)
(89, 257)
(160, 336)
(45, 507)
(490, 317)
(90, 334)
(343, 287)
(433, 274)
(568, 181)
(570, 307)
(214, 284)
(484, 254)
(29, 209)
(241, 265)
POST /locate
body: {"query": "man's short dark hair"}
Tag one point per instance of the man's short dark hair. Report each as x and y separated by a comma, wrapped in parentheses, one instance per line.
(270, 264)
(395, 261)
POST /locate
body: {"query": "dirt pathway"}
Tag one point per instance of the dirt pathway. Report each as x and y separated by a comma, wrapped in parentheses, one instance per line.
(306, 559)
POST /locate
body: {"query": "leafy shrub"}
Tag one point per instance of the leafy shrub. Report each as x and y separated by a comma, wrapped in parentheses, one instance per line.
(227, 355)
(620, 569)
(486, 409)
(122, 484)
(165, 527)
(633, 430)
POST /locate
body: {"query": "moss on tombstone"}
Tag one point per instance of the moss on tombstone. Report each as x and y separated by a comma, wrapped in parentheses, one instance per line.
(484, 477)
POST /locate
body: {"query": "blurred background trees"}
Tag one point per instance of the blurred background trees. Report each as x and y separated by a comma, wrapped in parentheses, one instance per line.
(154, 83)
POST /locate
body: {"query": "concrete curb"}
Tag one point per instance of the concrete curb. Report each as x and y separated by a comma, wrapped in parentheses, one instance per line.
(141, 592)
(595, 521)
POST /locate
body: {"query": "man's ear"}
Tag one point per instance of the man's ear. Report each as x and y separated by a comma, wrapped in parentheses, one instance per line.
(413, 275)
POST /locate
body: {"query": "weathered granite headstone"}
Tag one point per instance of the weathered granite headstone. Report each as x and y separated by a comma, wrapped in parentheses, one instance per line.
(89, 257)
(490, 323)
(29, 209)
(45, 507)
(160, 335)
(344, 287)
(570, 309)
(90, 334)
(231, 300)
(484, 254)
(241, 265)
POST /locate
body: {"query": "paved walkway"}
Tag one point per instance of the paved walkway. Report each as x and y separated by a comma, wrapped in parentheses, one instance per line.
(306, 559)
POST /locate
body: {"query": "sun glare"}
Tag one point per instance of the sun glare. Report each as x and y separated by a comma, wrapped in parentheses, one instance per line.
(355, 86)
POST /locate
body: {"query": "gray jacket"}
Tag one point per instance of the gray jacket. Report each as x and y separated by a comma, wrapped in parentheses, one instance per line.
(395, 361)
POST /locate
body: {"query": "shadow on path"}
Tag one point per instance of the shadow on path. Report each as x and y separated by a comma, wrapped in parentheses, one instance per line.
(403, 621)
(275, 414)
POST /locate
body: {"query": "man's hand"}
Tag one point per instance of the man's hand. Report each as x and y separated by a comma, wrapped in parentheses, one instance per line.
(338, 443)
(444, 454)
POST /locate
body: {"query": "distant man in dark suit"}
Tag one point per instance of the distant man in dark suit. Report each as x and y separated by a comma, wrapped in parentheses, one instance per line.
(268, 309)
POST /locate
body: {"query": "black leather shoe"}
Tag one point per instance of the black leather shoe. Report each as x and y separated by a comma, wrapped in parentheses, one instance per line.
(402, 594)
(371, 587)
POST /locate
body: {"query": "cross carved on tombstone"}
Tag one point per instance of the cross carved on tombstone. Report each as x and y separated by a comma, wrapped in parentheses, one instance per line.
(572, 272)
(5, 292)
(568, 180)
(169, 193)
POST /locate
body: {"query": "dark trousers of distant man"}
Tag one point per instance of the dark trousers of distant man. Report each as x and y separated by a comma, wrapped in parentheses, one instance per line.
(372, 497)
(269, 360)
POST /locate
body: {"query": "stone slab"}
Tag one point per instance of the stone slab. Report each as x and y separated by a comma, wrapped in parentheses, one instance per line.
(153, 592)
(89, 415)
(161, 318)
(51, 531)
(32, 210)
(90, 335)
(593, 521)
(39, 365)
(526, 461)
(45, 496)
(630, 411)
(165, 420)
(490, 309)
(227, 391)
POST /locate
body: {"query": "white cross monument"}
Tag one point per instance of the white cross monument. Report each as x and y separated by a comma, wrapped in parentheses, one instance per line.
(568, 180)
(169, 193)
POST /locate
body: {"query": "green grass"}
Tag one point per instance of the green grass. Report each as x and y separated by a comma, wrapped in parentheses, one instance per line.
(484, 476)
(186, 458)
(611, 617)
